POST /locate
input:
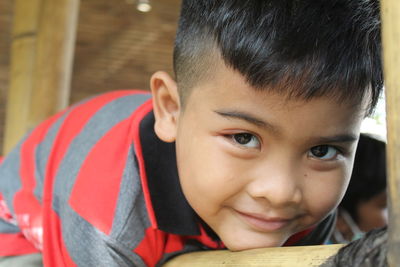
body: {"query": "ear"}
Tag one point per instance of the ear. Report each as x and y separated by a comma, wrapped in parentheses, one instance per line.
(166, 105)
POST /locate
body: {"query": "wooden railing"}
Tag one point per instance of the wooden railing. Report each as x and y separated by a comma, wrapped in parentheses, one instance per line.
(305, 256)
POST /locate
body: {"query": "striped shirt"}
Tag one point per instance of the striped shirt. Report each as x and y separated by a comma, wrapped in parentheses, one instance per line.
(94, 186)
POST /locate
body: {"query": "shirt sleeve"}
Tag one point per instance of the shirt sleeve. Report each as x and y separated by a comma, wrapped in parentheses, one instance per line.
(21, 186)
(12, 241)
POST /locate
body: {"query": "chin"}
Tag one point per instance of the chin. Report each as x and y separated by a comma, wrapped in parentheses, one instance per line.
(246, 243)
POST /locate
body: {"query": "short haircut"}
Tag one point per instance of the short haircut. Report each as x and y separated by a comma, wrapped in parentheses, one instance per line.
(369, 174)
(304, 48)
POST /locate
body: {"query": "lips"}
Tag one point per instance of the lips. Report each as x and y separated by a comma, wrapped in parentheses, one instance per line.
(262, 223)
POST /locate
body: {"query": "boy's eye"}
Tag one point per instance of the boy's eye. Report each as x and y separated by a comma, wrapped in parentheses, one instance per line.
(323, 152)
(246, 139)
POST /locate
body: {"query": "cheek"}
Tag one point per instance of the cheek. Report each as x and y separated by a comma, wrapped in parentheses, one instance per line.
(208, 177)
(325, 191)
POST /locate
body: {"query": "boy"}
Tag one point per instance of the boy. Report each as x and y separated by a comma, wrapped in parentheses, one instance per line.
(252, 146)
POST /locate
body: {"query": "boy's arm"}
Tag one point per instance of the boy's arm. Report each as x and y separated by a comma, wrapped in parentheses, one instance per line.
(21, 186)
(12, 241)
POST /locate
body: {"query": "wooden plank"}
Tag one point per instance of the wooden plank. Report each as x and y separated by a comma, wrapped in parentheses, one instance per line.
(390, 11)
(23, 49)
(270, 257)
(41, 63)
(54, 58)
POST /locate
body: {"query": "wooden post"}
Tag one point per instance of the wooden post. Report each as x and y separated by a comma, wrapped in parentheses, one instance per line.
(23, 51)
(54, 57)
(305, 256)
(390, 11)
(41, 63)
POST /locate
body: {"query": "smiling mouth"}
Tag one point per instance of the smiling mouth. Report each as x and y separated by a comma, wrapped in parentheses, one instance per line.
(264, 224)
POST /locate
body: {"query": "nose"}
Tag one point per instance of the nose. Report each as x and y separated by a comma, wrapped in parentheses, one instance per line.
(277, 183)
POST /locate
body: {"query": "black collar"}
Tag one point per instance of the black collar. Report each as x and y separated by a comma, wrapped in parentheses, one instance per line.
(172, 211)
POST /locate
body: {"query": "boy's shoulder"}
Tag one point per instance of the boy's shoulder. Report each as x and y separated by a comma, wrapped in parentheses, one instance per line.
(110, 104)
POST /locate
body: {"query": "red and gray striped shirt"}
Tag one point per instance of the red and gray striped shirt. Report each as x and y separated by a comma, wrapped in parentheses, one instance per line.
(94, 186)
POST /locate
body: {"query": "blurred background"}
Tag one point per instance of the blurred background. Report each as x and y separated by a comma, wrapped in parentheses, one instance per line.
(117, 46)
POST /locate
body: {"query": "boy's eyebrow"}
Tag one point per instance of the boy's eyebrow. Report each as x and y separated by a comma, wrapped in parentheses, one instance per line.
(339, 138)
(247, 117)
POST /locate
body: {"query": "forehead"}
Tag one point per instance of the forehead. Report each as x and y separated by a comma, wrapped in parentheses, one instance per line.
(216, 71)
(228, 89)
(296, 83)
(222, 79)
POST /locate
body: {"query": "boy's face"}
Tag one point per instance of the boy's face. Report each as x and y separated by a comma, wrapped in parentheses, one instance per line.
(257, 167)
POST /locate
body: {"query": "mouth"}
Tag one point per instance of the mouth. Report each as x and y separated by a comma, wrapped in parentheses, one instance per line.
(263, 223)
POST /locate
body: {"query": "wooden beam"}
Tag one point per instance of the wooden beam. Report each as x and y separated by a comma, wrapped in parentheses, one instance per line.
(54, 58)
(41, 63)
(390, 11)
(23, 52)
(272, 257)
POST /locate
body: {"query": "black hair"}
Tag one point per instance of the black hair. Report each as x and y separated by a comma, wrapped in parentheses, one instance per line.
(306, 48)
(369, 174)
